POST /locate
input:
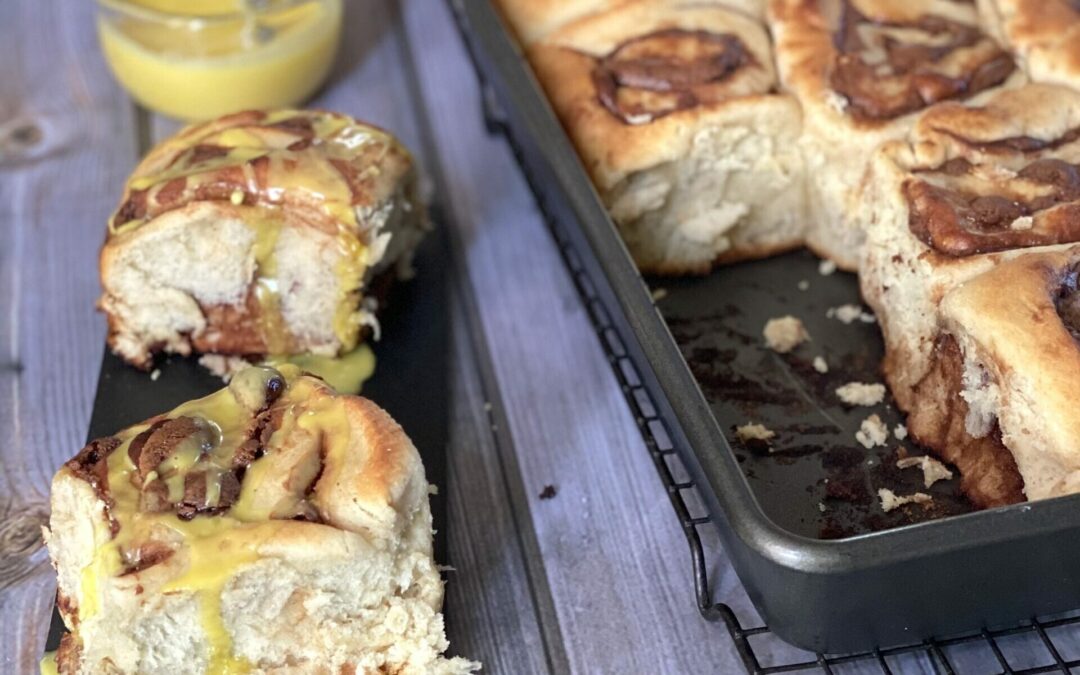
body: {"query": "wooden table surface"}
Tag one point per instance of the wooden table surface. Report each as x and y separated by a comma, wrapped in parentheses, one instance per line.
(596, 579)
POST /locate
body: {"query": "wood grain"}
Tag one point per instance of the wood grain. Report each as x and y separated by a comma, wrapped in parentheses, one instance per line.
(70, 122)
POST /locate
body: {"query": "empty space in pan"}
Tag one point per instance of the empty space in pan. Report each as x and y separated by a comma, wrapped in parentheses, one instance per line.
(815, 478)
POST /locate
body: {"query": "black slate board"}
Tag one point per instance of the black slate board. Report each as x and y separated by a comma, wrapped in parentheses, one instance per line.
(411, 380)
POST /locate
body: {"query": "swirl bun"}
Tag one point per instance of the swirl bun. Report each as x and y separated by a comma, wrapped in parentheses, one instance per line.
(863, 70)
(674, 110)
(257, 234)
(274, 525)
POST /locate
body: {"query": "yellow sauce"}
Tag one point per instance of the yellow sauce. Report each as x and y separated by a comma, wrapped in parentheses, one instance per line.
(304, 172)
(48, 664)
(214, 548)
(346, 373)
(219, 56)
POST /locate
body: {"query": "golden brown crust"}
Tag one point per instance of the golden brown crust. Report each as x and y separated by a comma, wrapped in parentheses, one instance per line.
(884, 59)
(1044, 34)
(255, 157)
(995, 177)
(658, 116)
(532, 20)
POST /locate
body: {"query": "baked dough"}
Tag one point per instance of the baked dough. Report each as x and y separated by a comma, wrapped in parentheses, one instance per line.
(672, 107)
(534, 19)
(1044, 36)
(1000, 398)
(969, 186)
(257, 234)
(274, 526)
(862, 70)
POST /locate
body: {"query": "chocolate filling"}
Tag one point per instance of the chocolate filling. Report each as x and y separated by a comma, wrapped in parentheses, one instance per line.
(91, 465)
(988, 473)
(889, 77)
(1067, 301)
(665, 71)
(960, 223)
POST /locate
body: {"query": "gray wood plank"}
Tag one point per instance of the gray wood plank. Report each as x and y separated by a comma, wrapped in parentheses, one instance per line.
(612, 553)
(58, 182)
(490, 613)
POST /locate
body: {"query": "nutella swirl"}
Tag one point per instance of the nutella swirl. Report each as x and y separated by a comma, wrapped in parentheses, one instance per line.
(1067, 301)
(666, 71)
(957, 211)
(888, 69)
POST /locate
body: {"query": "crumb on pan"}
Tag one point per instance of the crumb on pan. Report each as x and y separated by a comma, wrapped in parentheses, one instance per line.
(1022, 223)
(784, 334)
(804, 285)
(826, 267)
(890, 500)
(872, 432)
(860, 393)
(848, 313)
(933, 470)
(900, 432)
(155, 374)
(754, 435)
(820, 365)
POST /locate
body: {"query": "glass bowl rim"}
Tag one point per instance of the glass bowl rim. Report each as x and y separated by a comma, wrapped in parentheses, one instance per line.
(137, 10)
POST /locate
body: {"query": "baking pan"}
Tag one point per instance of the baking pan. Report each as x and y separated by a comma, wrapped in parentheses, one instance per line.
(846, 578)
(411, 380)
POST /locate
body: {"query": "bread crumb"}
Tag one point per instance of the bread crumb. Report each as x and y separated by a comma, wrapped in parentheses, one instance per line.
(784, 334)
(932, 470)
(821, 506)
(659, 294)
(836, 101)
(890, 500)
(155, 374)
(900, 432)
(754, 432)
(820, 365)
(848, 313)
(432, 489)
(804, 285)
(872, 432)
(860, 393)
(1022, 223)
(826, 267)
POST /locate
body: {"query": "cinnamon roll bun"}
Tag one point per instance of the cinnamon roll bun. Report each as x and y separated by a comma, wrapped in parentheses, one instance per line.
(971, 185)
(274, 526)
(1044, 36)
(534, 19)
(257, 234)
(674, 112)
(862, 70)
(999, 400)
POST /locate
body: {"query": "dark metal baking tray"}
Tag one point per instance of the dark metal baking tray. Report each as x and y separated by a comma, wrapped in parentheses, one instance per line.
(411, 380)
(851, 578)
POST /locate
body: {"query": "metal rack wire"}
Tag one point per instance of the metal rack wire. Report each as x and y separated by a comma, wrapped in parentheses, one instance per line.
(1055, 641)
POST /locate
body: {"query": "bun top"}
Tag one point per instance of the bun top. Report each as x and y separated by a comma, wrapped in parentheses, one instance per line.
(323, 166)
(276, 465)
(877, 60)
(995, 177)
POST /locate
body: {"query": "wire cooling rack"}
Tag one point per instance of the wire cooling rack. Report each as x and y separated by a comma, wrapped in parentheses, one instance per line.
(1040, 645)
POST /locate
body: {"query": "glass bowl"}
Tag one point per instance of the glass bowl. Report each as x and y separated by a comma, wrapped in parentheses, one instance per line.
(199, 59)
